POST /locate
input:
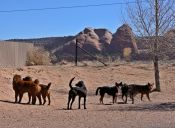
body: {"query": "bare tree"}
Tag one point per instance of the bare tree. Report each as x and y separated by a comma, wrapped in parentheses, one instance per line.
(151, 19)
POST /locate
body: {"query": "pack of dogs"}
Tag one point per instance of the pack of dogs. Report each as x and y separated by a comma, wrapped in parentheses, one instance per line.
(36, 90)
(33, 88)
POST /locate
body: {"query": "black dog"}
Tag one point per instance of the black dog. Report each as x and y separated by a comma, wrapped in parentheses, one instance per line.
(109, 90)
(125, 91)
(79, 90)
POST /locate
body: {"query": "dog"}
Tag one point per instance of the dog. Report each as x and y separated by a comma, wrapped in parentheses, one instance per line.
(28, 78)
(44, 90)
(21, 86)
(113, 90)
(79, 90)
(124, 91)
(133, 89)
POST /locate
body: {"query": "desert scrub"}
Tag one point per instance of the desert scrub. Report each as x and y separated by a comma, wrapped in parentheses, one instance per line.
(38, 56)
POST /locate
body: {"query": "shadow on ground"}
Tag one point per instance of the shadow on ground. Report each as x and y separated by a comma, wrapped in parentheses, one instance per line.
(7, 101)
(167, 106)
(12, 102)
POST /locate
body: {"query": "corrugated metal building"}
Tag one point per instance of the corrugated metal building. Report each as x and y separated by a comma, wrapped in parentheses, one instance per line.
(13, 54)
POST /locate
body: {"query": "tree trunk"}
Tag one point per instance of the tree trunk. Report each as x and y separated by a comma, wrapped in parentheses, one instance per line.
(156, 70)
(156, 64)
(76, 52)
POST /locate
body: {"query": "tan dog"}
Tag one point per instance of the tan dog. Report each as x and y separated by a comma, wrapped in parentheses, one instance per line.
(44, 90)
(32, 87)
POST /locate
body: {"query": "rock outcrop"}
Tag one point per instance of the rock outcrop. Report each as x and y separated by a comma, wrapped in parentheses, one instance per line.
(96, 41)
(123, 39)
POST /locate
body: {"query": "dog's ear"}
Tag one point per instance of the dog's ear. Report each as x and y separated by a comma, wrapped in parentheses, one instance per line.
(150, 84)
(48, 86)
(117, 84)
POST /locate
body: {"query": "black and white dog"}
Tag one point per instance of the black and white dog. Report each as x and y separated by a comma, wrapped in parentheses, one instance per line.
(80, 90)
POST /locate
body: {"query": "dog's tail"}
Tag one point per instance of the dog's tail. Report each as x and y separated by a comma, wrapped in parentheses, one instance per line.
(70, 83)
(97, 90)
(48, 86)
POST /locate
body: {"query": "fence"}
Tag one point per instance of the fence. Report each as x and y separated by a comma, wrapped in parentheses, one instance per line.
(13, 54)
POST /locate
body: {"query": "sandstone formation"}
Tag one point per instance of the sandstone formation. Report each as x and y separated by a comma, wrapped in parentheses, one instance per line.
(123, 39)
(96, 41)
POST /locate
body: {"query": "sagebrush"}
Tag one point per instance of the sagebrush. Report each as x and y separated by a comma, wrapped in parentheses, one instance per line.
(38, 56)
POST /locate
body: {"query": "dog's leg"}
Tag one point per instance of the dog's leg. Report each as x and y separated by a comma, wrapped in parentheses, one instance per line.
(73, 99)
(20, 97)
(33, 99)
(39, 98)
(29, 95)
(79, 102)
(123, 96)
(132, 97)
(44, 98)
(48, 96)
(147, 94)
(116, 98)
(113, 98)
(132, 100)
(85, 102)
(16, 97)
(126, 95)
(69, 99)
(101, 98)
(141, 96)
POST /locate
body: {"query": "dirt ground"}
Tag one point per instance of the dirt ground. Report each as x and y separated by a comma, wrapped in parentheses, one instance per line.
(159, 113)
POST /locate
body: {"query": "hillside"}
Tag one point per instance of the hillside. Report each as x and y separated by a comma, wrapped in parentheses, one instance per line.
(95, 41)
(101, 42)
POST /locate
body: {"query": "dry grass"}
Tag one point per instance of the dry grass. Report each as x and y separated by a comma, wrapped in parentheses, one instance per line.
(38, 56)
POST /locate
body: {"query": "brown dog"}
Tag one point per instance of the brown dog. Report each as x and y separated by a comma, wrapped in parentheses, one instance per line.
(44, 90)
(133, 89)
(32, 87)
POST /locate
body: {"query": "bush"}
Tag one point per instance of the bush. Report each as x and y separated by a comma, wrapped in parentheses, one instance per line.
(127, 53)
(38, 56)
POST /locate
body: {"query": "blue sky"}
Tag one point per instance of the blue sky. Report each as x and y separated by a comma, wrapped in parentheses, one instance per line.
(60, 22)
